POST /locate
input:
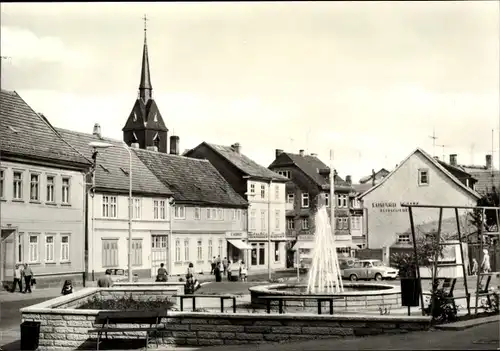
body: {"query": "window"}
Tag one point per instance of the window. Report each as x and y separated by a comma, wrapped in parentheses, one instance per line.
(262, 253)
(159, 210)
(233, 215)
(50, 188)
(305, 200)
(65, 248)
(33, 249)
(254, 255)
(220, 214)
(200, 250)
(136, 252)
(342, 201)
(65, 192)
(355, 223)
(290, 223)
(17, 186)
(209, 211)
(276, 251)
(210, 249)
(403, 238)
(186, 249)
(253, 214)
(177, 250)
(252, 188)
(262, 220)
(49, 248)
(305, 223)
(20, 246)
(34, 187)
(2, 178)
(276, 192)
(197, 213)
(342, 223)
(109, 206)
(137, 209)
(277, 215)
(327, 200)
(214, 213)
(263, 191)
(290, 198)
(423, 177)
(286, 174)
(110, 252)
(179, 212)
(219, 249)
(238, 215)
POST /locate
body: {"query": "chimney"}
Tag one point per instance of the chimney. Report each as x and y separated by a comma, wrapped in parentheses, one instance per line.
(97, 130)
(236, 147)
(152, 148)
(134, 145)
(278, 152)
(348, 179)
(301, 152)
(174, 145)
(488, 162)
(314, 155)
(453, 159)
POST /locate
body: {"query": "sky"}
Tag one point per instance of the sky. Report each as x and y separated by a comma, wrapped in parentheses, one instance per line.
(369, 80)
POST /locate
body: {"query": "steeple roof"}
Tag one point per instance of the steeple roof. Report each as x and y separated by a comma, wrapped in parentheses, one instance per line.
(145, 87)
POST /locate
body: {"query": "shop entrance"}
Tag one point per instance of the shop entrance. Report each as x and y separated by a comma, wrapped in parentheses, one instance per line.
(258, 255)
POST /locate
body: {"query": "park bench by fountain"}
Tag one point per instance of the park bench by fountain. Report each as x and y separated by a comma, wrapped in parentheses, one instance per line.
(319, 298)
(194, 296)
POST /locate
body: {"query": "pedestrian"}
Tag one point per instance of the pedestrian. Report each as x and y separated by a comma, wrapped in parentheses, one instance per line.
(224, 264)
(67, 288)
(474, 266)
(18, 279)
(485, 265)
(243, 272)
(214, 262)
(228, 269)
(218, 272)
(28, 275)
(106, 281)
(162, 275)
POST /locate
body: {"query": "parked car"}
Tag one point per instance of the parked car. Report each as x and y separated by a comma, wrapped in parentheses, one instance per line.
(369, 269)
(121, 275)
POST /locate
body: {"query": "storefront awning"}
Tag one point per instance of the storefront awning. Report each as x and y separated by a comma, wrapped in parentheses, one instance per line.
(308, 245)
(240, 244)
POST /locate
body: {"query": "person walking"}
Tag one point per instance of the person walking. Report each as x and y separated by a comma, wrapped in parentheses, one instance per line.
(28, 275)
(485, 265)
(474, 266)
(243, 272)
(213, 264)
(18, 279)
(224, 265)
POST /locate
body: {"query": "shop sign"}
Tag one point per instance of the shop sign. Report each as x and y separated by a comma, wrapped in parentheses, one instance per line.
(264, 235)
(236, 235)
(307, 237)
(391, 206)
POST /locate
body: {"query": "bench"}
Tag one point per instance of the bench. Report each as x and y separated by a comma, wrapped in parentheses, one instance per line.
(484, 291)
(320, 299)
(194, 296)
(110, 320)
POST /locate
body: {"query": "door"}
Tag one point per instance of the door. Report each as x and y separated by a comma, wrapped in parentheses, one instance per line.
(8, 254)
(159, 252)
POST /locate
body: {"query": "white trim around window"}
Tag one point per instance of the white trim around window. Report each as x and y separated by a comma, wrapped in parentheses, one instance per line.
(66, 190)
(17, 185)
(305, 200)
(49, 245)
(109, 206)
(179, 212)
(50, 188)
(34, 247)
(34, 186)
(423, 177)
(65, 248)
(2, 183)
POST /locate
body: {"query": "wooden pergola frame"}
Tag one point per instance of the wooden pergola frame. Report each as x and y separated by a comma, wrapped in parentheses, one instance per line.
(480, 234)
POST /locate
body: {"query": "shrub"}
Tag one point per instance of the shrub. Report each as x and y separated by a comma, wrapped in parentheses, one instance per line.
(126, 303)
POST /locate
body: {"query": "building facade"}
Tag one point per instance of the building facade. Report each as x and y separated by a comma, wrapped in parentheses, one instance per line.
(265, 193)
(308, 180)
(42, 194)
(208, 216)
(419, 179)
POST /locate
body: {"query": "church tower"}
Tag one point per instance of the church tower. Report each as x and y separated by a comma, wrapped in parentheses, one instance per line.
(145, 124)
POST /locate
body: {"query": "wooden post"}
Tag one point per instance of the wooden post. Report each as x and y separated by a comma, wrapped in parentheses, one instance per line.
(412, 225)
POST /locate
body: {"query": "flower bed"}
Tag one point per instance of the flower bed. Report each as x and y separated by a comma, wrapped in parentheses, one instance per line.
(126, 303)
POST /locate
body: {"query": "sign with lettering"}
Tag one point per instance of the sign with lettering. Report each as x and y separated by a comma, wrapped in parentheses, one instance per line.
(236, 235)
(391, 206)
(263, 235)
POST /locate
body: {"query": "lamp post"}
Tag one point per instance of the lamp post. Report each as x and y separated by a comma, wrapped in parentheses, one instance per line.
(100, 145)
(269, 229)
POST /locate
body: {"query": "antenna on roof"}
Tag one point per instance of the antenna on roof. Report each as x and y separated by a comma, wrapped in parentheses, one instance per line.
(444, 155)
(433, 137)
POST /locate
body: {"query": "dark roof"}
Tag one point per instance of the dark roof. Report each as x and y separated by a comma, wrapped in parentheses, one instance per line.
(361, 188)
(382, 173)
(191, 180)
(486, 179)
(113, 166)
(245, 164)
(311, 165)
(25, 133)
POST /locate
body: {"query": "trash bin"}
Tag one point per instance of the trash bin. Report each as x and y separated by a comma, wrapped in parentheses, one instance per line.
(30, 335)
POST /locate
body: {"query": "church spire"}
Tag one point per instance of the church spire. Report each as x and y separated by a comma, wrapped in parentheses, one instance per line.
(145, 87)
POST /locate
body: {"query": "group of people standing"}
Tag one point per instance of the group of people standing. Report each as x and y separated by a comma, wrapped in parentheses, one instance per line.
(227, 268)
(23, 272)
(485, 264)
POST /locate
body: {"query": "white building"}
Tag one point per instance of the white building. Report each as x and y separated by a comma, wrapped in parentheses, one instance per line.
(419, 179)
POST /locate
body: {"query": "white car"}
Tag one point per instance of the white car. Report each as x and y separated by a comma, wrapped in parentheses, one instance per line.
(369, 269)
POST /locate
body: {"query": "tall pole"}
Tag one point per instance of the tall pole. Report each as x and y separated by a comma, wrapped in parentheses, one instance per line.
(130, 208)
(269, 229)
(332, 195)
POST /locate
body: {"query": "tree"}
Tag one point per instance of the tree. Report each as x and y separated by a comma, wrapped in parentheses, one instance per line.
(490, 199)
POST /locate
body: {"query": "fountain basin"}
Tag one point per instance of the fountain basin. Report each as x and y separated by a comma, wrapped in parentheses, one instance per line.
(356, 296)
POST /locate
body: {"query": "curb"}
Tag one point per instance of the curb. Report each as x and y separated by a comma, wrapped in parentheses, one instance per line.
(462, 325)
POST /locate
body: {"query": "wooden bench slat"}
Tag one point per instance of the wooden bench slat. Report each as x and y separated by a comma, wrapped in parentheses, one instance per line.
(110, 330)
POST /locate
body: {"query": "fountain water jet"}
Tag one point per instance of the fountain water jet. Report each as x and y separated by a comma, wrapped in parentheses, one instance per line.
(324, 274)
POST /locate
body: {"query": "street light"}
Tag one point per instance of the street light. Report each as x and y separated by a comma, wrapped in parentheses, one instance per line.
(100, 145)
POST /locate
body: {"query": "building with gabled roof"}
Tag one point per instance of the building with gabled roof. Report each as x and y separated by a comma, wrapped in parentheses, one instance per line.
(418, 179)
(308, 179)
(208, 214)
(265, 193)
(487, 177)
(375, 177)
(42, 194)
